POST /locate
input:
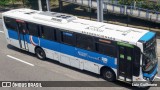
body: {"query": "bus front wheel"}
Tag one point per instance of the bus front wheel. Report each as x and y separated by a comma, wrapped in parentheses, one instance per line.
(108, 75)
(40, 53)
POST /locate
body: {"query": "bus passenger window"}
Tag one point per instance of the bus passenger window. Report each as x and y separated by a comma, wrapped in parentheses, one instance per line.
(85, 42)
(106, 49)
(47, 33)
(42, 33)
(33, 29)
(68, 38)
(10, 23)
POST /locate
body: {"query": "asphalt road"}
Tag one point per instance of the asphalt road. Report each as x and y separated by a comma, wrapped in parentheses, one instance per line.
(26, 67)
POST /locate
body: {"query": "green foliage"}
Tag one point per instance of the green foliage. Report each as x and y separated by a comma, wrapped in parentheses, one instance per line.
(4, 2)
(7, 2)
(129, 2)
(125, 2)
(151, 6)
(141, 4)
(33, 4)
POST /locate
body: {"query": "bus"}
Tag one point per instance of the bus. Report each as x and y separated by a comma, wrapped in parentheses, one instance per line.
(114, 52)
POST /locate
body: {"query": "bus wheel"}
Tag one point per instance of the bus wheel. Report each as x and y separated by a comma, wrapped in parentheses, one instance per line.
(108, 75)
(40, 53)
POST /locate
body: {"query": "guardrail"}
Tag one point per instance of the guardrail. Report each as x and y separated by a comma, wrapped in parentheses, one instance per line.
(134, 12)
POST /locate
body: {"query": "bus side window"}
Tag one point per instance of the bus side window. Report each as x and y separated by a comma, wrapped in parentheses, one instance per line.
(68, 38)
(136, 63)
(85, 42)
(10, 23)
(58, 35)
(106, 49)
(33, 29)
(47, 33)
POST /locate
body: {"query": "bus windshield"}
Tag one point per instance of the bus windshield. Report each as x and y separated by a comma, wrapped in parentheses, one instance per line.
(150, 57)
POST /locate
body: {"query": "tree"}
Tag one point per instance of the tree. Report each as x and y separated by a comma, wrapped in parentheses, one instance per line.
(129, 2)
(4, 2)
(8, 2)
(33, 4)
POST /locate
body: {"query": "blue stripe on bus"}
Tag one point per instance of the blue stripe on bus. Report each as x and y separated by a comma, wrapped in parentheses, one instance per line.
(70, 50)
(147, 36)
(152, 74)
(12, 34)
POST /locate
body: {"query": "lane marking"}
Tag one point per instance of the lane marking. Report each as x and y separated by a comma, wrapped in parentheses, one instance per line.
(1, 31)
(20, 60)
(157, 77)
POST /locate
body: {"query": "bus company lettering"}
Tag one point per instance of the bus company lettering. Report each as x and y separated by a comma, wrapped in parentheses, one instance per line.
(97, 35)
(82, 54)
(92, 57)
(95, 29)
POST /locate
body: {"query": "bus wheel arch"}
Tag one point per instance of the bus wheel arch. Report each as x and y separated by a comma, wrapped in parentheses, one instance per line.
(108, 73)
(40, 53)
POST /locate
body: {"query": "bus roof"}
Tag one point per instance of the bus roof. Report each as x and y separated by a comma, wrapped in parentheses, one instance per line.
(72, 23)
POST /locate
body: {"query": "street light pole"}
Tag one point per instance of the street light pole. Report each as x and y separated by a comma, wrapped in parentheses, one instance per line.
(40, 5)
(48, 5)
(100, 10)
(90, 8)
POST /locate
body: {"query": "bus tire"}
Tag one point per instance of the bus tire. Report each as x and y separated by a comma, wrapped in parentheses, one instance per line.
(108, 75)
(40, 53)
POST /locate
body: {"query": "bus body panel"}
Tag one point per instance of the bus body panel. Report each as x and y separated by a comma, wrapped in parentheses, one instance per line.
(91, 61)
(147, 36)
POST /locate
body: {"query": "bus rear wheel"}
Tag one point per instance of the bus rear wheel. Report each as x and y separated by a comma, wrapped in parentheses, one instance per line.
(40, 53)
(108, 75)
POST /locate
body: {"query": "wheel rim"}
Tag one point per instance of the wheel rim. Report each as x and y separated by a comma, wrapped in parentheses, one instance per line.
(108, 74)
(40, 54)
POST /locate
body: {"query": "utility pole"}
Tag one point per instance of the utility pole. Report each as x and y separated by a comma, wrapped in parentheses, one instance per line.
(60, 5)
(48, 5)
(100, 10)
(40, 5)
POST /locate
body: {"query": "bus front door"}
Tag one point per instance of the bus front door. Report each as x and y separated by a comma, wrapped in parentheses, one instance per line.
(22, 35)
(125, 58)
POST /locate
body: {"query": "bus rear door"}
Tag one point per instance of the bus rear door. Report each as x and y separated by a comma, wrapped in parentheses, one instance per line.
(22, 34)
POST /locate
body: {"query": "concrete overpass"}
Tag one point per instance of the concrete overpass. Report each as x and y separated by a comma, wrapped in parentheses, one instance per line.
(103, 6)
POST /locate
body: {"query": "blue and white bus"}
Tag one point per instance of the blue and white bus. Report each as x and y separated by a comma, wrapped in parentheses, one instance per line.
(115, 52)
